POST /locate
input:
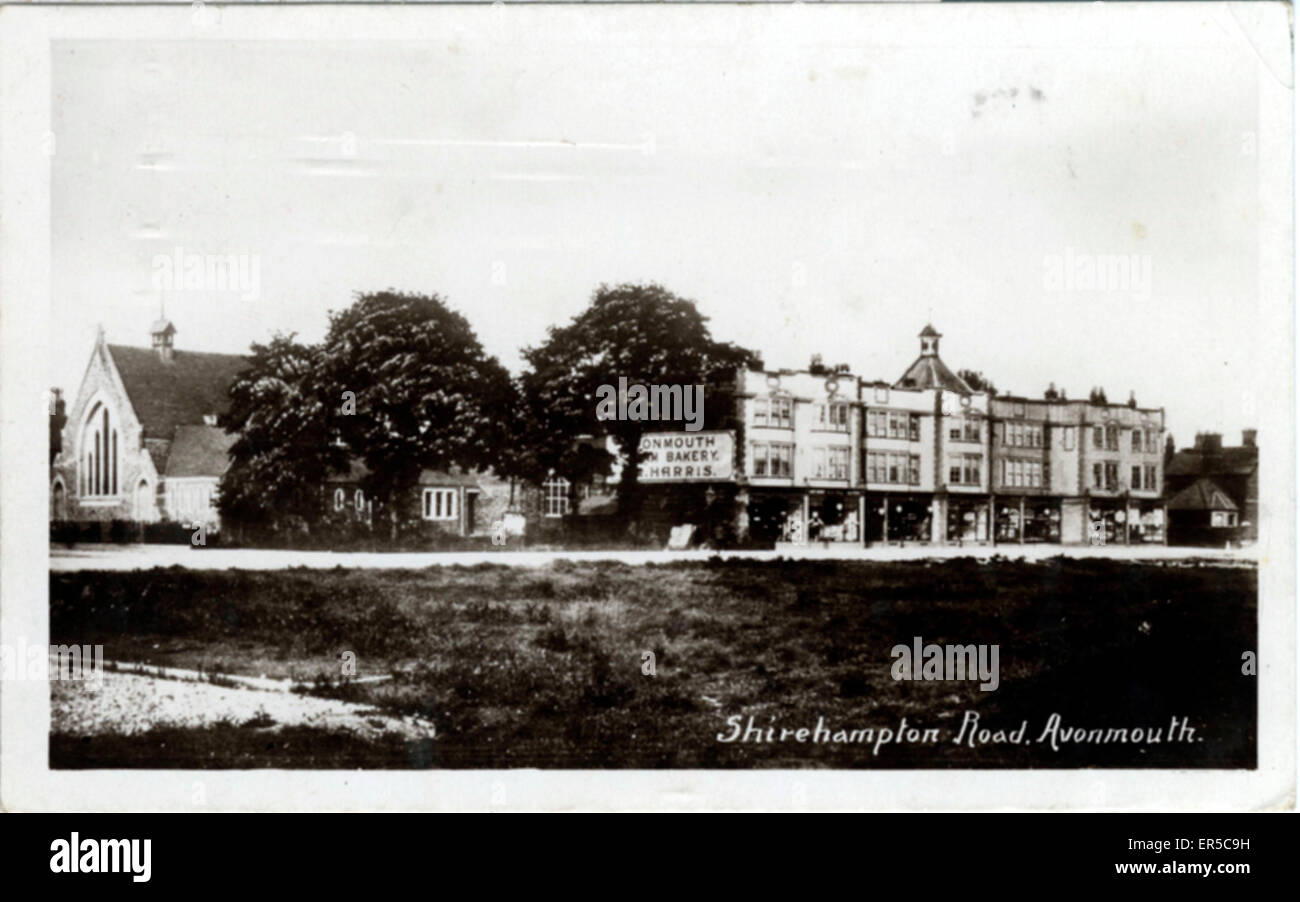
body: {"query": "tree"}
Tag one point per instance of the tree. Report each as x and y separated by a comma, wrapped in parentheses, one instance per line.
(426, 394)
(1170, 449)
(644, 333)
(285, 446)
(978, 382)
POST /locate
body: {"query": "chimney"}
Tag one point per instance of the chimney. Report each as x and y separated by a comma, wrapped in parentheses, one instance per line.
(815, 366)
(1209, 442)
(1248, 437)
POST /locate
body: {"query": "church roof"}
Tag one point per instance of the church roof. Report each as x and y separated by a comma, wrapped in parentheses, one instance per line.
(929, 332)
(930, 372)
(199, 451)
(1202, 495)
(179, 392)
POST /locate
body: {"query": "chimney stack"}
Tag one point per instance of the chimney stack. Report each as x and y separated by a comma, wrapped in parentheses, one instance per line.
(1248, 437)
(1209, 442)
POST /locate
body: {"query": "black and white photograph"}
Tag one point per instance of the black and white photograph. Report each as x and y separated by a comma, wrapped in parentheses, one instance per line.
(825, 405)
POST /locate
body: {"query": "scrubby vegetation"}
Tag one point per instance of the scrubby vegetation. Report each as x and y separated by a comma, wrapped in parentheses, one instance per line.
(550, 666)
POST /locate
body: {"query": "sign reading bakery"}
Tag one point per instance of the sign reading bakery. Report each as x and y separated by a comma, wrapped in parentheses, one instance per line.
(687, 456)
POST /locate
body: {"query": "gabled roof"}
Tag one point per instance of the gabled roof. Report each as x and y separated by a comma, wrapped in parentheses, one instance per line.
(199, 451)
(1202, 495)
(1240, 461)
(177, 392)
(929, 332)
(930, 372)
(358, 471)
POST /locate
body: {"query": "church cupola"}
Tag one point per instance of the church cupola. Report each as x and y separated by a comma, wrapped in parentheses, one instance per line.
(162, 333)
(929, 341)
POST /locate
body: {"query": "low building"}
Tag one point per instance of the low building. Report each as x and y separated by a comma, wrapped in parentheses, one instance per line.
(1233, 470)
(1203, 514)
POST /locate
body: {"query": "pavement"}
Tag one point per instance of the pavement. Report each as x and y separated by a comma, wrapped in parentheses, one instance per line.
(143, 557)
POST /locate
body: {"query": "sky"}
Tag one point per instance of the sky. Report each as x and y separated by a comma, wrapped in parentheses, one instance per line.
(828, 186)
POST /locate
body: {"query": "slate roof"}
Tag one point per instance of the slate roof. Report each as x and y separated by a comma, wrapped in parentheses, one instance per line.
(930, 372)
(199, 451)
(166, 394)
(1202, 495)
(357, 471)
(1240, 461)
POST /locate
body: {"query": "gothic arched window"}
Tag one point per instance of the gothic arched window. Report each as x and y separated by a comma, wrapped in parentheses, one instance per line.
(98, 464)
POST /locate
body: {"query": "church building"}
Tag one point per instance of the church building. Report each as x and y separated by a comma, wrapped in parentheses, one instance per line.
(141, 440)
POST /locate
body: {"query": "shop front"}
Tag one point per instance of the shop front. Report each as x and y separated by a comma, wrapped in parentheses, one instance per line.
(1028, 520)
(834, 517)
(898, 518)
(968, 519)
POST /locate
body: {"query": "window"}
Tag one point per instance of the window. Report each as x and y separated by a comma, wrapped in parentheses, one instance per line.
(1067, 438)
(772, 412)
(898, 425)
(98, 476)
(882, 395)
(1112, 438)
(555, 497)
(1112, 476)
(893, 467)
(359, 500)
(914, 427)
(831, 463)
(1137, 440)
(1153, 441)
(1097, 433)
(833, 417)
(1096, 476)
(339, 499)
(440, 504)
(964, 469)
(1150, 482)
(1223, 518)
(773, 460)
(1135, 473)
(965, 430)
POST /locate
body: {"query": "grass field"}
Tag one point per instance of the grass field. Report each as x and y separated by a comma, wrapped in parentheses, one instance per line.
(543, 667)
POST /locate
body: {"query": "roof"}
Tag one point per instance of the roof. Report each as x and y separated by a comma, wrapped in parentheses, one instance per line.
(929, 332)
(930, 372)
(199, 451)
(1202, 495)
(1240, 461)
(357, 471)
(443, 478)
(177, 392)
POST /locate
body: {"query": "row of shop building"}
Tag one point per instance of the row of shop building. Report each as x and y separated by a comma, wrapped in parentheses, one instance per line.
(828, 456)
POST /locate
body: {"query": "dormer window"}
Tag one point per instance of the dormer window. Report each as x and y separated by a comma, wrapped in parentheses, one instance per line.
(209, 419)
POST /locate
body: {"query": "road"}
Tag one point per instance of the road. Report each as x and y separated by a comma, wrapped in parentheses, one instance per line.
(144, 557)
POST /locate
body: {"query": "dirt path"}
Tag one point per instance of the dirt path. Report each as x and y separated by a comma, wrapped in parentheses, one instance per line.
(129, 704)
(143, 557)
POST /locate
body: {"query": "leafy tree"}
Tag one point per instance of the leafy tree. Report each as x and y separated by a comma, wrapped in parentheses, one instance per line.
(978, 382)
(426, 394)
(285, 447)
(642, 332)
